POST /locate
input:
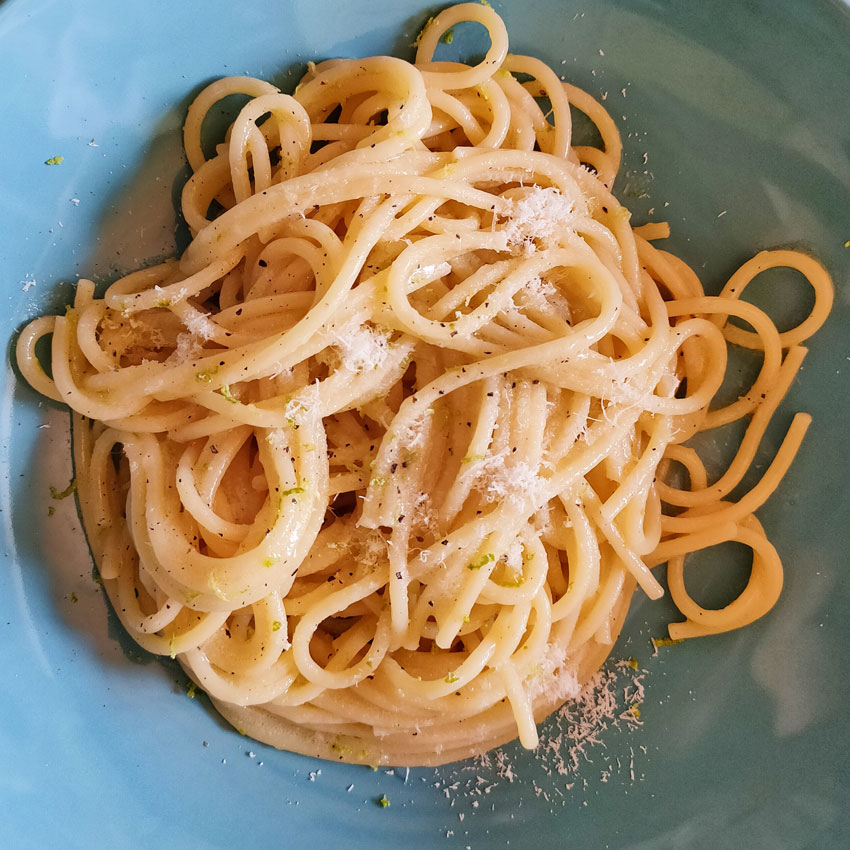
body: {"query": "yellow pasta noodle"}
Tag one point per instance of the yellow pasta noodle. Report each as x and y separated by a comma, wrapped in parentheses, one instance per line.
(382, 458)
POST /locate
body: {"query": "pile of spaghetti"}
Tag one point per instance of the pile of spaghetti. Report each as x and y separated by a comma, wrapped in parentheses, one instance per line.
(383, 456)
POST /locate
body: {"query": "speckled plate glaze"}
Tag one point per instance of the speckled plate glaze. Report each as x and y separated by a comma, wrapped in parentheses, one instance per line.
(735, 114)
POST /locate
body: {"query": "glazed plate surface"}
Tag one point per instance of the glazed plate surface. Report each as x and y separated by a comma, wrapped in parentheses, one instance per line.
(736, 124)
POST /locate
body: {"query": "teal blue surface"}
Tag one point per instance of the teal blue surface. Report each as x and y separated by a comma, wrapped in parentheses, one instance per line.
(737, 114)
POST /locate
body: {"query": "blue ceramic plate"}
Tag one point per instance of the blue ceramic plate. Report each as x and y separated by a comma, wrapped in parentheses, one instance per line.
(738, 115)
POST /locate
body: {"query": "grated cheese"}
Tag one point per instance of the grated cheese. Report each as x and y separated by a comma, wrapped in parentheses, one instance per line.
(412, 435)
(199, 325)
(187, 348)
(541, 214)
(361, 347)
(554, 677)
(495, 479)
(573, 740)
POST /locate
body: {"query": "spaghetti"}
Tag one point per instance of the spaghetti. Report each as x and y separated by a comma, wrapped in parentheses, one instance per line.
(382, 457)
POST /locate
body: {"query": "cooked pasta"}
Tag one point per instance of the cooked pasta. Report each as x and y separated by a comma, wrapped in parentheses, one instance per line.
(381, 459)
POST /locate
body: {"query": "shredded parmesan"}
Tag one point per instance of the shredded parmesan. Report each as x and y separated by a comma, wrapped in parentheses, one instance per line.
(198, 324)
(540, 215)
(371, 549)
(495, 479)
(553, 677)
(412, 435)
(361, 347)
(575, 742)
(188, 348)
(180, 295)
